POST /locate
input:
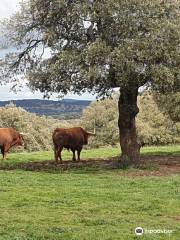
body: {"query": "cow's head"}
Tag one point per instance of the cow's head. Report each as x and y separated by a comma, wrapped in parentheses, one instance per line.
(89, 134)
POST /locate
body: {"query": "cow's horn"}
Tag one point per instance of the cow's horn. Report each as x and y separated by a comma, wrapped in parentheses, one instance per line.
(22, 133)
(91, 134)
(94, 133)
(94, 130)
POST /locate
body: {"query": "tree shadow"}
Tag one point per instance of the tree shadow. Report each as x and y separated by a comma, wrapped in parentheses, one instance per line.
(146, 163)
(161, 153)
(90, 165)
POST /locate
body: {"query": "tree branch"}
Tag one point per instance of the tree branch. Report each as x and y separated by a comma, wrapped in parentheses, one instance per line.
(32, 44)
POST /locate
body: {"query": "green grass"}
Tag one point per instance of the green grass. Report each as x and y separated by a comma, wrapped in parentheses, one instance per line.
(85, 205)
(171, 150)
(103, 153)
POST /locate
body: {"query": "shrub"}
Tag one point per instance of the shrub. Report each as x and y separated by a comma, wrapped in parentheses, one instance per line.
(38, 130)
(153, 126)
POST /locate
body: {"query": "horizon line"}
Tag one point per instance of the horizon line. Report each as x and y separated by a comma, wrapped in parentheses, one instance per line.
(22, 99)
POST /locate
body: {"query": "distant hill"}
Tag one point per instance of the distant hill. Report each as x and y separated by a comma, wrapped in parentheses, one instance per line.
(63, 109)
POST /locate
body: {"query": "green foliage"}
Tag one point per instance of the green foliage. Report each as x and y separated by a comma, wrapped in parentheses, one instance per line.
(102, 115)
(153, 127)
(170, 104)
(97, 45)
(37, 130)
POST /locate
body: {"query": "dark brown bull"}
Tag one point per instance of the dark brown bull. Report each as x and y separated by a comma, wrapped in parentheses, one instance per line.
(70, 138)
(9, 137)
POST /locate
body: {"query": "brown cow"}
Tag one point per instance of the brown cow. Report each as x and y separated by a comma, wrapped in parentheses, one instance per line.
(70, 138)
(9, 137)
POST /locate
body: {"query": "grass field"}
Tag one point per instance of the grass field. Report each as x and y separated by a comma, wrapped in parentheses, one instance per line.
(103, 153)
(83, 204)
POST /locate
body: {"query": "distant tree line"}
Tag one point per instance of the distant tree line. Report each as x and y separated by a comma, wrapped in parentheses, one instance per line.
(63, 109)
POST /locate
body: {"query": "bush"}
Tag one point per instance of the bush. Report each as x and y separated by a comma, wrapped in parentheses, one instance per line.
(102, 115)
(169, 104)
(153, 127)
(38, 130)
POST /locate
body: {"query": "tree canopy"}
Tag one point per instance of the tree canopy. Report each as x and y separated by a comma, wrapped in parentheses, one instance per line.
(98, 45)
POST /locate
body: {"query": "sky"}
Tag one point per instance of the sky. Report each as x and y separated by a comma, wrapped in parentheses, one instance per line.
(7, 8)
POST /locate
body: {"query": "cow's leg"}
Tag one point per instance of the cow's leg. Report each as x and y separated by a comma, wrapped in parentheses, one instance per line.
(74, 156)
(5, 150)
(79, 152)
(56, 153)
(2, 151)
(59, 153)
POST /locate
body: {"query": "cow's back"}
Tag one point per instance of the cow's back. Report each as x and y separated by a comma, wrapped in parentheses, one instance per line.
(7, 135)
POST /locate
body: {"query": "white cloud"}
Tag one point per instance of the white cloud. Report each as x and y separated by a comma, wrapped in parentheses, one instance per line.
(7, 8)
(6, 94)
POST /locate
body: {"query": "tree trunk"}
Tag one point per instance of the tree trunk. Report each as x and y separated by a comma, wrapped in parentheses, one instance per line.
(128, 110)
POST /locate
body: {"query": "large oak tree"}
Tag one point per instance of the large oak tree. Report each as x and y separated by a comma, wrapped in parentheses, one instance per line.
(98, 45)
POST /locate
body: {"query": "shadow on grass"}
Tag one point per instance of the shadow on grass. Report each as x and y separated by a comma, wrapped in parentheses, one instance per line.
(161, 153)
(84, 166)
(157, 164)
